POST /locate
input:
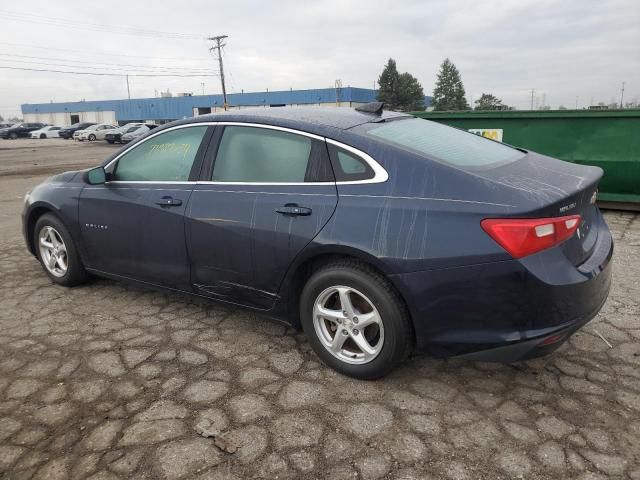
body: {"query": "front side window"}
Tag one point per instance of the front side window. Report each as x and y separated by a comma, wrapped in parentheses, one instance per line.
(444, 143)
(164, 158)
(261, 155)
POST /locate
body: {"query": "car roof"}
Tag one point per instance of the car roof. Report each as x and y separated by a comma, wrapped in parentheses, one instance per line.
(311, 119)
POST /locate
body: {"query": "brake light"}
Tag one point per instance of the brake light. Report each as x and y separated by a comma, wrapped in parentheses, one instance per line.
(525, 236)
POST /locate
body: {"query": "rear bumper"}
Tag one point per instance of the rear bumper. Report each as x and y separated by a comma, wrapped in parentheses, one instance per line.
(507, 311)
(542, 344)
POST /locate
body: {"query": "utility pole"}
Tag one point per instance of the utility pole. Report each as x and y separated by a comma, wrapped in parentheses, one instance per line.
(202, 83)
(218, 46)
(128, 91)
(621, 96)
(532, 92)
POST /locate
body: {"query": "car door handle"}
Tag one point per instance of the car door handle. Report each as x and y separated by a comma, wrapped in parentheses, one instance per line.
(294, 209)
(169, 202)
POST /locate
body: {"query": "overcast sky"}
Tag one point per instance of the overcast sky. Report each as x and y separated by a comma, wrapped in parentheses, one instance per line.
(562, 48)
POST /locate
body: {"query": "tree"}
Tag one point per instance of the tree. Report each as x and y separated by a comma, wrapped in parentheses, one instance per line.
(399, 91)
(449, 91)
(488, 101)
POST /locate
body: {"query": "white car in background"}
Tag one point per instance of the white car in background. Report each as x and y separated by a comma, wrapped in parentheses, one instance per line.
(115, 135)
(94, 132)
(46, 132)
(138, 132)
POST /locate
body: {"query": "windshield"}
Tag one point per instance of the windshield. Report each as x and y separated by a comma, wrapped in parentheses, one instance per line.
(444, 143)
(132, 129)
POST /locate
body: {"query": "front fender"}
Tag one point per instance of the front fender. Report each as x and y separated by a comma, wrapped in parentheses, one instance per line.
(58, 198)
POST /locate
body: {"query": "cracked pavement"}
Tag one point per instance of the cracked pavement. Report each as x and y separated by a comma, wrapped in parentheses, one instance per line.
(110, 380)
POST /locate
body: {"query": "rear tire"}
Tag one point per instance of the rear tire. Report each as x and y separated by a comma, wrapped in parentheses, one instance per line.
(370, 333)
(42, 135)
(110, 142)
(57, 252)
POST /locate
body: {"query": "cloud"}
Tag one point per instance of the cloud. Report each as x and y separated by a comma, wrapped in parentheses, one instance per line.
(564, 49)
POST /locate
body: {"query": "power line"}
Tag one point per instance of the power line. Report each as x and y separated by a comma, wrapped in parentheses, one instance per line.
(113, 68)
(105, 64)
(99, 54)
(60, 22)
(104, 74)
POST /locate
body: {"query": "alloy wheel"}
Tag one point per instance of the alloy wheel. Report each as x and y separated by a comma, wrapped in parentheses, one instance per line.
(348, 325)
(53, 251)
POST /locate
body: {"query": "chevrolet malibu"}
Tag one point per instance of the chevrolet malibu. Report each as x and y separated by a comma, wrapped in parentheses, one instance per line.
(376, 233)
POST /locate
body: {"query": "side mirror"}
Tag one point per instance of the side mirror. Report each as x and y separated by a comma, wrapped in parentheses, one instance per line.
(96, 176)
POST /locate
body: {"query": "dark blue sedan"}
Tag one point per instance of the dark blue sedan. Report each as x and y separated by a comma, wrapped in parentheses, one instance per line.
(378, 234)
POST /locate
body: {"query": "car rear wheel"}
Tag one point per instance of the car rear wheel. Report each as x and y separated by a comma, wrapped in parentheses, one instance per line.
(110, 142)
(57, 252)
(355, 320)
(92, 137)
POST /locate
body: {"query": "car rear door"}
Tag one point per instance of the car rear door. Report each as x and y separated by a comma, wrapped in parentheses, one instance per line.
(265, 193)
(133, 225)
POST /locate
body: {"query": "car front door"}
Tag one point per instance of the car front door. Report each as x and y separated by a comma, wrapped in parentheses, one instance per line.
(264, 197)
(133, 225)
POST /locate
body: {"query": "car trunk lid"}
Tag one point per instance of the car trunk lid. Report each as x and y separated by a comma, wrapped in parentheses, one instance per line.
(543, 187)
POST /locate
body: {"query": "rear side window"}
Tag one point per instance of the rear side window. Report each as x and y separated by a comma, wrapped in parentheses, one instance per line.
(347, 166)
(262, 155)
(444, 143)
(166, 157)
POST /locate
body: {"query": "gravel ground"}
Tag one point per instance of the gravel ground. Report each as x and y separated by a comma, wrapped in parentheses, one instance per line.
(114, 381)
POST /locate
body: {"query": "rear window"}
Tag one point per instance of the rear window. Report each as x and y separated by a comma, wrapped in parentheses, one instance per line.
(444, 143)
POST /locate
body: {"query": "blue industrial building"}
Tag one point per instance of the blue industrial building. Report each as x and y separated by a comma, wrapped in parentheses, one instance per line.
(163, 109)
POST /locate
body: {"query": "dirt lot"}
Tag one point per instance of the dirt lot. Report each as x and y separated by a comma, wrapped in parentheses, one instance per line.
(109, 381)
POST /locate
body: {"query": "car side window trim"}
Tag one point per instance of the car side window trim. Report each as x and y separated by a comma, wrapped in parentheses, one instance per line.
(380, 174)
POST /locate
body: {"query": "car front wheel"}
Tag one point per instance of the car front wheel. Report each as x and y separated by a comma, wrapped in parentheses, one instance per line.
(92, 137)
(355, 320)
(57, 252)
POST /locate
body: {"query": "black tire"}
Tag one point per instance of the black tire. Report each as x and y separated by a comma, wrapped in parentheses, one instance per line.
(75, 274)
(398, 332)
(43, 135)
(13, 135)
(92, 137)
(110, 142)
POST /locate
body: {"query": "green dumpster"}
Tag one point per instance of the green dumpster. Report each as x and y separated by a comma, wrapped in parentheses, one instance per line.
(609, 139)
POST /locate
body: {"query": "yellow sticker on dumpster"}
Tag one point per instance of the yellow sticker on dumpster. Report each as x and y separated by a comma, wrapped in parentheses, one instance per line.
(492, 133)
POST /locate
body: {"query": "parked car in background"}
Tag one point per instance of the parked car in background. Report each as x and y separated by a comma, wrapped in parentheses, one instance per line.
(375, 232)
(67, 132)
(46, 132)
(115, 136)
(138, 132)
(23, 129)
(94, 132)
(5, 125)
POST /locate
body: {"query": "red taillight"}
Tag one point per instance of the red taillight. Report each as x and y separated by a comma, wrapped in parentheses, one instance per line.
(524, 236)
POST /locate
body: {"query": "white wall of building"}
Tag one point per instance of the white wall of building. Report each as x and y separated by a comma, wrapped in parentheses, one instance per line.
(65, 117)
